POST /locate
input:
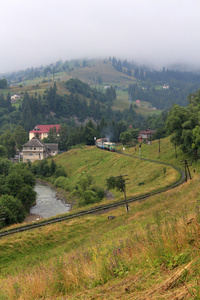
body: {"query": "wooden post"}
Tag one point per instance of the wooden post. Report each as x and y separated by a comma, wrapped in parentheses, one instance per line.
(185, 171)
(140, 150)
(188, 170)
(127, 206)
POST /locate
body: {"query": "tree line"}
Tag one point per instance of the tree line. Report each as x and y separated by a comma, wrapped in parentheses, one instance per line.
(183, 123)
(17, 193)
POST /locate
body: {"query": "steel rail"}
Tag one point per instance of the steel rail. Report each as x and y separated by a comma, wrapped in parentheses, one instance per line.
(104, 207)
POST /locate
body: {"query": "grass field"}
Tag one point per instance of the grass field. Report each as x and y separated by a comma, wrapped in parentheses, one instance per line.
(143, 175)
(152, 252)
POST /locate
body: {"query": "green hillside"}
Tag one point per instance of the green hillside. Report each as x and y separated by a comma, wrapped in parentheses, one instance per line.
(152, 252)
(143, 176)
(98, 74)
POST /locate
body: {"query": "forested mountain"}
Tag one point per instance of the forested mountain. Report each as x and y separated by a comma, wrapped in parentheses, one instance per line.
(83, 114)
(148, 85)
(87, 107)
(82, 103)
(141, 82)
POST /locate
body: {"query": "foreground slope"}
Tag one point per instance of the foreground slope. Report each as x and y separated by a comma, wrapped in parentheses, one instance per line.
(150, 253)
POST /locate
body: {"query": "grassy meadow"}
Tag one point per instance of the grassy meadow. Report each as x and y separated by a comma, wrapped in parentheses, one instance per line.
(142, 176)
(152, 252)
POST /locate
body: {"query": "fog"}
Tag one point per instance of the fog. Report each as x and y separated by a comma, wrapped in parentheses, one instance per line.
(156, 32)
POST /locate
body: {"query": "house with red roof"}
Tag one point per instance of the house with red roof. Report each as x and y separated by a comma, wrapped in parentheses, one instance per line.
(138, 102)
(145, 136)
(42, 131)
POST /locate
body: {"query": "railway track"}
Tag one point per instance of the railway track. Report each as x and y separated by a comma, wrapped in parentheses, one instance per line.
(100, 208)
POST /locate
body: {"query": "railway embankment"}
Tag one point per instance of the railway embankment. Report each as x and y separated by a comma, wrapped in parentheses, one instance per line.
(150, 252)
(177, 179)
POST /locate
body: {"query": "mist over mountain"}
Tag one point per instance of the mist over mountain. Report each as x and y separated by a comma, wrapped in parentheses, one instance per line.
(161, 33)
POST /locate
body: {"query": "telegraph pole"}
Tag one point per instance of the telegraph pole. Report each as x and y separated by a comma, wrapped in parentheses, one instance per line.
(124, 190)
(140, 146)
(187, 170)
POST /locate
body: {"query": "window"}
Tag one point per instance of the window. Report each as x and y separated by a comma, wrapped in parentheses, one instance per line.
(34, 148)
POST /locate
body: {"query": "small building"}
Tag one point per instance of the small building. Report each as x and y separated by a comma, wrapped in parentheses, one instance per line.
(35, 150)
(14, 98)
(42, 131)
(166, 86)
(53, 148)
(145, 136)
(138, 102)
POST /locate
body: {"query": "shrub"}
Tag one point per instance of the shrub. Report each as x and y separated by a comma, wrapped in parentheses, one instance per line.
(62, 182)
(60, 172)
(12, 212)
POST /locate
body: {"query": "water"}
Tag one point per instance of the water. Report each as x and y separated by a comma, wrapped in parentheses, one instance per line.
(46, 203)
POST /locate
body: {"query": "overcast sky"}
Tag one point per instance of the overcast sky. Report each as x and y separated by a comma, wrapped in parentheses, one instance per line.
(39, 32)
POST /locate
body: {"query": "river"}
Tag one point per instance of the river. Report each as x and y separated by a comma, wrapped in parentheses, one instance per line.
(47, 205)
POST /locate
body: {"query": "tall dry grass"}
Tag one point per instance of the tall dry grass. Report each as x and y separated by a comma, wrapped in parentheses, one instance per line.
(168, 244)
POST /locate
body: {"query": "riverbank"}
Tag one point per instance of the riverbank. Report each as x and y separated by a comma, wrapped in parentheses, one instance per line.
(61, 194)
(32, 218)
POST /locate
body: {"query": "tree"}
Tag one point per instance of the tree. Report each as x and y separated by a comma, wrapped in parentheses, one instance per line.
(119, 183)
(14, 182)
(134, 133)
(3, 151)
(20, 137)
(27, 196)
(125, 137)
(63, 137)
(28, 120)
(13, 211)
(89, 133)
(7, 140)
(52, 136)
(176, 118)
(52, 167)
(196, 139)
(121, 127)
(3, 84)
(5, 165)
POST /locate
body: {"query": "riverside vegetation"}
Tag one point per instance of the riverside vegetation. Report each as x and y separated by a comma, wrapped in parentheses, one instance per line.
(152, 252)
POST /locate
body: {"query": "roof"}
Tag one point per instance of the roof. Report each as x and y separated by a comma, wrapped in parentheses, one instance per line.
(147, 131)
(52, 147)
(34, 142)
(45, 128)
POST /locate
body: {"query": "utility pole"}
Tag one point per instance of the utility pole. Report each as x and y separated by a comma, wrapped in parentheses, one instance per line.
(124, 190)
(140, 150)
(187, 170)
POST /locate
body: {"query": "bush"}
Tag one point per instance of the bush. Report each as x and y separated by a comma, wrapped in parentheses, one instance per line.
(100, 193)
(12, 210)
(27, 196)
(62, 182)
(60, 172)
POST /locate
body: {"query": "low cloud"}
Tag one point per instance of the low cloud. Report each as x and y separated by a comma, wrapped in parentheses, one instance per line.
(35, 33)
